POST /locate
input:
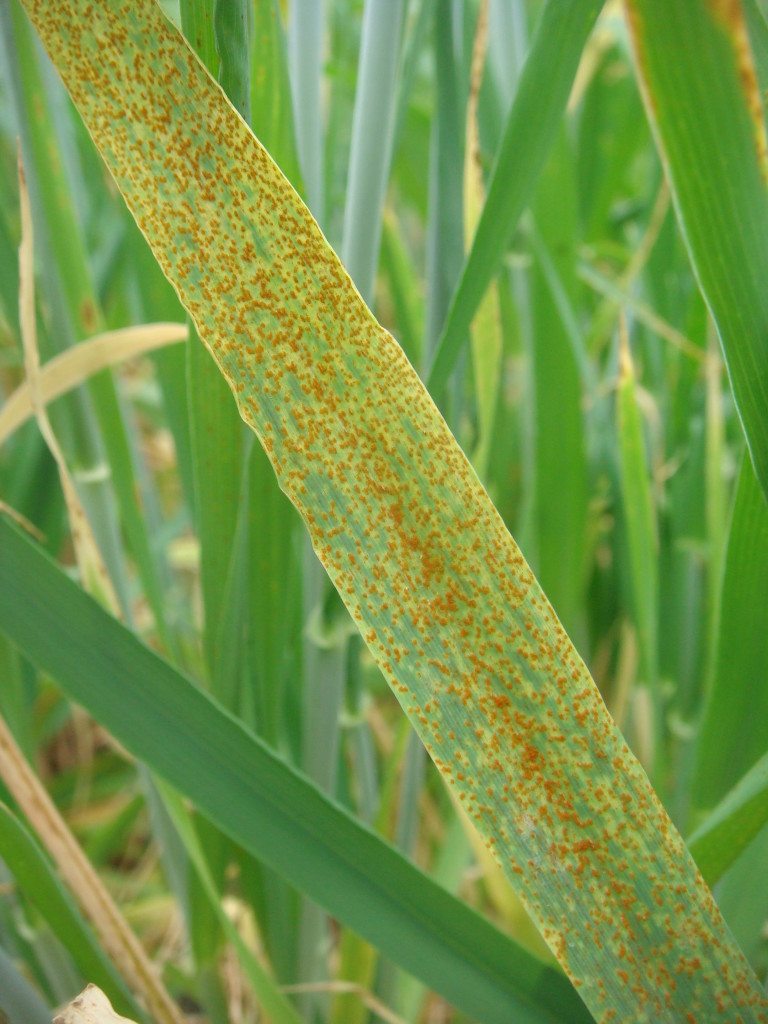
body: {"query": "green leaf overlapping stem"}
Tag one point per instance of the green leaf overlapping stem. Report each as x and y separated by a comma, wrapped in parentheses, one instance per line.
(695, 65)
(733, 824)
(436, 585)
(530, 131)
(35, 876)
(268, 808)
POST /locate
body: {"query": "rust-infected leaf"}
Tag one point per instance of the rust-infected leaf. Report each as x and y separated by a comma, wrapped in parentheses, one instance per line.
(733, 16)
(730, 14)
(435, 583)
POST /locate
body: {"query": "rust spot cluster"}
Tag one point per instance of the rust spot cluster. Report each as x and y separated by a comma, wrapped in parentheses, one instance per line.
(438, 588)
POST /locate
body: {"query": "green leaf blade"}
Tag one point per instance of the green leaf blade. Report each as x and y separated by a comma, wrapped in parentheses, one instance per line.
(705, 106)
(531, 129)
(733, 824)
(216, 433)
(38, 879)
(271, 810)
(734, 728)
(640, 518)
(19, 1002)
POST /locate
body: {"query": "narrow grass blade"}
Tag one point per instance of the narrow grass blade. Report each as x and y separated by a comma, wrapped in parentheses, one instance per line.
(445, 227)
(734, 729)
(532, 124)
(357, 964)
(271, 1001)
(197, 25)
(439, 590)
(372, 134)
(93, 572)
(453, 862)
(35, 877)
(507, 47)
(305, 52)
(412, 55)
(271, 104)
(326, 642)
(397, 265)
(406, 833)
(14, 697)
(612, 290)
(73, 367)
(215, 429)
(232, 38)
(703, 101)
(19, 1002)
(486, 338)
(269, 585)
(733, 824)
(118, 939)
(268, 808)
(357, 958)
(274, 592)
(558, 442)
(717, 494)
(612, 131)
(640, 520)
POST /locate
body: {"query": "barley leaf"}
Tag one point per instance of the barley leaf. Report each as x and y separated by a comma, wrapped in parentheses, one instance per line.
(733, 824)
(269, 809)
(705, 106)
(531, 128)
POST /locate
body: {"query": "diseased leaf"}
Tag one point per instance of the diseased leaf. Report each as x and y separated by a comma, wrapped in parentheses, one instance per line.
(437, 587)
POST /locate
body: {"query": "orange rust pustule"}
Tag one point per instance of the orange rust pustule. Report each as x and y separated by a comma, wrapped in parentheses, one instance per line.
(435, 583)
(728, 11)
(730, 14)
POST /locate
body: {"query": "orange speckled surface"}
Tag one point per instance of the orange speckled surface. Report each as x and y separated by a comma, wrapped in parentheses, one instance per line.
(435, 583)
